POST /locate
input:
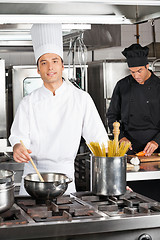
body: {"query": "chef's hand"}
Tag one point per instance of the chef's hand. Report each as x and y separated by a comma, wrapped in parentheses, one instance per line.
(129, 189)
(150, 148)
(20, 154)
(124, 139)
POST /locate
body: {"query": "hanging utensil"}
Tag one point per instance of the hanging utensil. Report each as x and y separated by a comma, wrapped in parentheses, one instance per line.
(71, 56)
(82, 57)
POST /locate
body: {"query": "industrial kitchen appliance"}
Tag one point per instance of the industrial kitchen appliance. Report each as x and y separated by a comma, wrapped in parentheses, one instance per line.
(82, 216)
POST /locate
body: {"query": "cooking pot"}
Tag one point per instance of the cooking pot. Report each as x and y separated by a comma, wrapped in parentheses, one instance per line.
(108, 175)
(54, 185)
(6, 190)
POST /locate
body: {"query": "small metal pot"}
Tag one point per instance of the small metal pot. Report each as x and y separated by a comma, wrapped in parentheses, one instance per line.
(6, 190)
(54, 185)
(108, 175)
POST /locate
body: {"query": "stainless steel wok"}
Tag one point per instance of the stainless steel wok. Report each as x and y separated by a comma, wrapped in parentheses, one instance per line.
(54, 185)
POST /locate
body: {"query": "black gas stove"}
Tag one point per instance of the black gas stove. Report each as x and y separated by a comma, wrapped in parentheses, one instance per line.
(82, 215)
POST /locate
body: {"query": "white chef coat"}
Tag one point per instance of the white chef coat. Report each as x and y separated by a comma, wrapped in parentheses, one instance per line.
(51, 126)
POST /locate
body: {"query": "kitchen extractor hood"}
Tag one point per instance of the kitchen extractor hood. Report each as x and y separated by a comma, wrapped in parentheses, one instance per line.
(17, 17)
(78, 11)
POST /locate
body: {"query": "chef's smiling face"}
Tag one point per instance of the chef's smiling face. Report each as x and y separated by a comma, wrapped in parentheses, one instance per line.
(50, 67)
(140, 74)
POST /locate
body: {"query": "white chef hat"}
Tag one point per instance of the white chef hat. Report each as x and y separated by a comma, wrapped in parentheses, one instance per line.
(47, 38)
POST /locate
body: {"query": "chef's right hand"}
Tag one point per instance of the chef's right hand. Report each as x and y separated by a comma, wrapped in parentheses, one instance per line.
(124, 139)
(20, 154)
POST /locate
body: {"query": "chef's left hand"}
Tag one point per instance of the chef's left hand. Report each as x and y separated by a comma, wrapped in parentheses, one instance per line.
(129, 189)
(150, 148)
(124, 139)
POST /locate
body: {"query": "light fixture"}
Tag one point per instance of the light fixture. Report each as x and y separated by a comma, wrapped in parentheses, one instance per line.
(15, 37)
(75, 26)
(108, 2)
(22, 33)
(65, 19)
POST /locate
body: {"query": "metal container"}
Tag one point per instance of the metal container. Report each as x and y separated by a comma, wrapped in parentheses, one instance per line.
(54, 185)
(108, 175)
(6, 190)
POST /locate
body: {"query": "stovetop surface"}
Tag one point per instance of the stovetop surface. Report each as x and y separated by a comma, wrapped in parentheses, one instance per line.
(83, 215)
(80, 206)
(130, 204)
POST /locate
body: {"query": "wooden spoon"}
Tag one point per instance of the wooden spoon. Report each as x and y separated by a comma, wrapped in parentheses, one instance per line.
(39, 175)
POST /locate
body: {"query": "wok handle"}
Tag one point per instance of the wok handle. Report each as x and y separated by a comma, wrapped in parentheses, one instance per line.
(39, 175)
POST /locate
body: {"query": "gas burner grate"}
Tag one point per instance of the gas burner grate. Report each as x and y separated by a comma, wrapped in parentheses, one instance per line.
(56, 217)
(12, 217)
(128, 204)
(62, 208)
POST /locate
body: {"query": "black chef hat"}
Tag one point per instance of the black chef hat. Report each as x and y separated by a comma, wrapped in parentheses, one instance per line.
(136, 55)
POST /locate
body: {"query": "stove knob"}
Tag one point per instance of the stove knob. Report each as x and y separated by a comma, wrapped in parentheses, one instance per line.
(145, 236)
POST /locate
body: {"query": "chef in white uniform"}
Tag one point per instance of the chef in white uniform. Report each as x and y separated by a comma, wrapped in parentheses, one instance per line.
(51, 120)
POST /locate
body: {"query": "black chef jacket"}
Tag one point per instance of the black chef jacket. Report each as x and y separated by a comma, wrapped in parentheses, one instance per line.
(137, 107)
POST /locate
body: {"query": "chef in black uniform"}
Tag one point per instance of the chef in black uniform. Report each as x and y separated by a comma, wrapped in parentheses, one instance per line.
(136, 103)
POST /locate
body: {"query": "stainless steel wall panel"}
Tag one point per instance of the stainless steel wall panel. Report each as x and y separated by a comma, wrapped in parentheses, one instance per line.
(2, 100)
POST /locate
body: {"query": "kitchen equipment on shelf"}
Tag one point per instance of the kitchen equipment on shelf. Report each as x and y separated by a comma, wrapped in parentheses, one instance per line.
(39, 175)
(6, 190)
(54, 185)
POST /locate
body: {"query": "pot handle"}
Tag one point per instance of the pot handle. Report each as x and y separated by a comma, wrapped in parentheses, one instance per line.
(7, 179)
(67, 180)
